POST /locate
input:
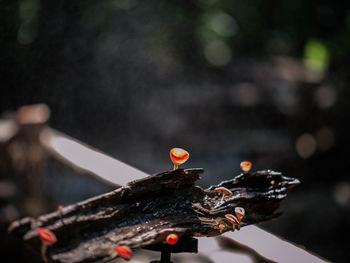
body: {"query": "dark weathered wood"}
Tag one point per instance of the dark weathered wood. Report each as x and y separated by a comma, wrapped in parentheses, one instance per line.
(145, 211)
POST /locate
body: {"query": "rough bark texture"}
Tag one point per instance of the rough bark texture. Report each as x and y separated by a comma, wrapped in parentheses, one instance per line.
(145, 211)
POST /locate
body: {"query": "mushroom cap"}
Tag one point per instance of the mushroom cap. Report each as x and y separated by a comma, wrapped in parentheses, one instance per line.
(179, 156)
(124, 252)
(172, 239)
(46, 236)
(223, 190)
(240, 212)
(232, 219)
(246, 166)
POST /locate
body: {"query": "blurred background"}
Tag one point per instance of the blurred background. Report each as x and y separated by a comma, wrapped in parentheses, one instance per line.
(227, 80)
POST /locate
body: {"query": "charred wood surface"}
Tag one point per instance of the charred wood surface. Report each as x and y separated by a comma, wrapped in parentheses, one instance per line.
(145, 211)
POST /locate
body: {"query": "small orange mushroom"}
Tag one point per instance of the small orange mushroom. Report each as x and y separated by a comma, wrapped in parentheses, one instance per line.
(233, 220)
(60, 208)
(47, 238)
(124, 252)
(224, 192)
(221, 227)
(178, 156)
(246, 166)
(240, 213)
(172, 239)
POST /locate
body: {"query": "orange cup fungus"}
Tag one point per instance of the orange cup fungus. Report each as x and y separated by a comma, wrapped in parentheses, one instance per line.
(172, 239)
(47, 238)
(124, 252)
(246, 166)
(240, 212)
(178, 156)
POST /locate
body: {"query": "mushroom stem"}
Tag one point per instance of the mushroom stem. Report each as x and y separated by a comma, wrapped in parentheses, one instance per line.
(233, 227)
(223, 197)
(176, 166)
(43, 252)
(60, 208)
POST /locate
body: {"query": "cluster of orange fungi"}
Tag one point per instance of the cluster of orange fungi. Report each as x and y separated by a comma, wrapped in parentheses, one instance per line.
(178, 156)
(48, 238)
(237, 219)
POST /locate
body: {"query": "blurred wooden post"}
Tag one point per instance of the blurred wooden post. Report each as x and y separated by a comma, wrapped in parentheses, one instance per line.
(25, 158)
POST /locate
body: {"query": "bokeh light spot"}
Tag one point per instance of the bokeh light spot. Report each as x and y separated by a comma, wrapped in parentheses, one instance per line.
(31, 114)
(245, 94)
(223, 24)
(8, 129)
(217, 53)
(325, 97)
(316, 56)
(341, 194)
(325, 138)
(305, 145)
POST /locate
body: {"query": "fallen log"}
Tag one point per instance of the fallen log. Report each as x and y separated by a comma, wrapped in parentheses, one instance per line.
(145, 211)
